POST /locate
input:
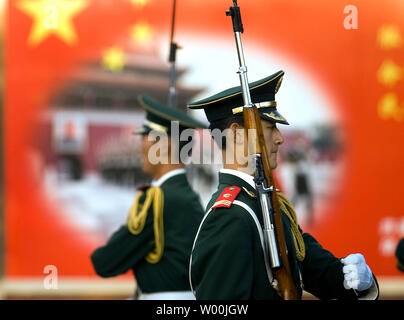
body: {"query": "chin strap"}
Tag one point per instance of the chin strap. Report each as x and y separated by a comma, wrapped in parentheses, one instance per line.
(287, 208)
(137, 219)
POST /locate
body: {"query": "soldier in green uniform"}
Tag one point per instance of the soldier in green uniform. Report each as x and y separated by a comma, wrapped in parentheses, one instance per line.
(156, 241)
(227, 260)
(399, 253)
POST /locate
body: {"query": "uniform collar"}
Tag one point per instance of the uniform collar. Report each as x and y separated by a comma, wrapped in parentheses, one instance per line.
(168, 175)
(234, 177)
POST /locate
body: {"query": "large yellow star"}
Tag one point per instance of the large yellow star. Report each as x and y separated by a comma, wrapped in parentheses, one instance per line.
(52, 17)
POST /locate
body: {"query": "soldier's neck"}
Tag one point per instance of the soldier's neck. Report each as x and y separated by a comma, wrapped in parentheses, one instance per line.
(162, 169)
(233, 165)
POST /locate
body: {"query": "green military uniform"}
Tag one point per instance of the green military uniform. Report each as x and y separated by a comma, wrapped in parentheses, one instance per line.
(227, 260)
(399, 253)
(156, 241)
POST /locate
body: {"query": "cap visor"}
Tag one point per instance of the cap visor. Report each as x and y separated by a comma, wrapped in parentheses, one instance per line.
(273, 116)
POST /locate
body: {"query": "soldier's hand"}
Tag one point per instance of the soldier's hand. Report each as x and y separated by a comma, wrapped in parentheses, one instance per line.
(357, 274)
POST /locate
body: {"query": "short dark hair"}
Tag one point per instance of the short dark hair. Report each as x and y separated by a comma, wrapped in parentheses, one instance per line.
(223, 124)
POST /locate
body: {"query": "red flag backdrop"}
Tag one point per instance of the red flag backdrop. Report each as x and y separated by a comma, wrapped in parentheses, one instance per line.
(359, 67)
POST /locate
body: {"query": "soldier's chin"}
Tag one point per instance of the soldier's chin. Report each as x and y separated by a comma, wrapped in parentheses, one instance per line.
(273, 162)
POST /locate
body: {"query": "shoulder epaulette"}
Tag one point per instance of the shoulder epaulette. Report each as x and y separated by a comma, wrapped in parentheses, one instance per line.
(227, 197)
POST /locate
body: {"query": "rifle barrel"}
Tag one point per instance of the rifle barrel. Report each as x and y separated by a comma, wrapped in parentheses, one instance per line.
(284, 281)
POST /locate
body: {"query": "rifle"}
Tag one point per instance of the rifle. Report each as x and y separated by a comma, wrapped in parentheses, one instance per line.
(275, 251)
(172, 95)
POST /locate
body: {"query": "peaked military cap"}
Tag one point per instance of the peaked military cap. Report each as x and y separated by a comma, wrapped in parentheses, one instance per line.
(230, 102)
(159, 117)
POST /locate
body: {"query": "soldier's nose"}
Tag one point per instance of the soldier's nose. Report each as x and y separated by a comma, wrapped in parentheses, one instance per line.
(278, 137)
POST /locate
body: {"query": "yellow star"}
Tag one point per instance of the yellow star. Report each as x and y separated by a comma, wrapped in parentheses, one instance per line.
(389, 108)
(389, 37)
(389, 73)
(140, 3)
(52, 17)
(113, 59)
(141, 32)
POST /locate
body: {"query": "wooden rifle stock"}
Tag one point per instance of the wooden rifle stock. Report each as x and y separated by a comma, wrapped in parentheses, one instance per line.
(286, 285)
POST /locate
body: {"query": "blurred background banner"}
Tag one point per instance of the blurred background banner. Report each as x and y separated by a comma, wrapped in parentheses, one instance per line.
(73, 70)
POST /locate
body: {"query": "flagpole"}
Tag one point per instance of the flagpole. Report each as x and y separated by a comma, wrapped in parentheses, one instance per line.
(172, 95)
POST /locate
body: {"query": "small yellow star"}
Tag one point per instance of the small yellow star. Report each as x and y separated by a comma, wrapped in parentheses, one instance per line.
(140, 3)
(141, 32)
(113, 59)
(389, 108)
(389, 73)
(389, 37)
(52, 17)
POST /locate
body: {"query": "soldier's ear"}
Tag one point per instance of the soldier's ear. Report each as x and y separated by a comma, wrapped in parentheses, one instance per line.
(238, 133)
(172, 146)
(231, 134)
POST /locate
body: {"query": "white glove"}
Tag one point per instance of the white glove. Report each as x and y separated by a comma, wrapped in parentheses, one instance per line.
(357, 274)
